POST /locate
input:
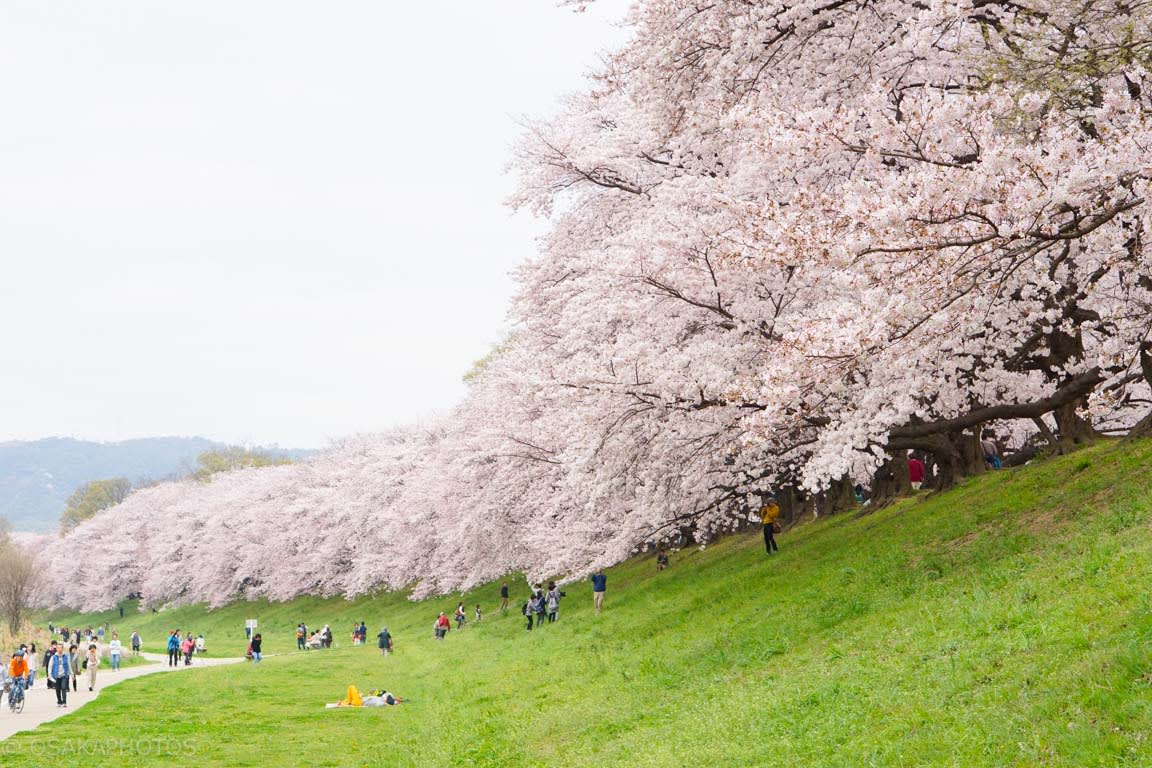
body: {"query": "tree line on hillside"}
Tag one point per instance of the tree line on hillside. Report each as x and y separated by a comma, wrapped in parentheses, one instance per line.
(790, 241)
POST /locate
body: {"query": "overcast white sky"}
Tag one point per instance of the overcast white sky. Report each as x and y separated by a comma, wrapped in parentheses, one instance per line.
(262, 221)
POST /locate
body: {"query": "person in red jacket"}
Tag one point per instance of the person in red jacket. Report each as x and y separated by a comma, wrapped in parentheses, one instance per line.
(915, 472)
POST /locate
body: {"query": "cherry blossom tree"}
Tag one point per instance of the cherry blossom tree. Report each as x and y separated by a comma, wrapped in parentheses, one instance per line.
(788, 242)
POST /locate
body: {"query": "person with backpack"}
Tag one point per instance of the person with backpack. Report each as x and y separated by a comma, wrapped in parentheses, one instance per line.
(59, 673)
(384, 641)
(768, 515)
(135, 643)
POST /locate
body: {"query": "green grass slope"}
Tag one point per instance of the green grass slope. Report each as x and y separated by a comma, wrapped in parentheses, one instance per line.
(1006, 623)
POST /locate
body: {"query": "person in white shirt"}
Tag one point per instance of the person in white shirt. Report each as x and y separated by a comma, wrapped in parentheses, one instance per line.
(114, 650)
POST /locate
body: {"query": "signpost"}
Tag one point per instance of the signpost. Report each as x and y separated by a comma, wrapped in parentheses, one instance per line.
(249, 628)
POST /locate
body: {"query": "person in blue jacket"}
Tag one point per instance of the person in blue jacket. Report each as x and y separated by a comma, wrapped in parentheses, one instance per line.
(59, 671)
(599, 585)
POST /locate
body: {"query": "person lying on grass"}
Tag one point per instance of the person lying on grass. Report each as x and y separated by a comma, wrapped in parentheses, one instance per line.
(376, 698)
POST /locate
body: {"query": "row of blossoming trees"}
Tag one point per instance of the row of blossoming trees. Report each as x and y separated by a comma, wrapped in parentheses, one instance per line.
(789, 242)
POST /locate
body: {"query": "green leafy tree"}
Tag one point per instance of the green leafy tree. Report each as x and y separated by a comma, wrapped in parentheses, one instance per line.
(92, 497)
(233, 457)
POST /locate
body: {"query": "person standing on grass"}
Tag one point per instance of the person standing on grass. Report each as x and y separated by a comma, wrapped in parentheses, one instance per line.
(479, 613)
(504, 598)
(59, 672)
(301, 637)
(74, 661)
(662, 560)
(256, 645)
(915, 472)
(91, 664)
(768, 515)
(384, 641)
(461, 617)
(174, 648)
(135, 643)
(442, 625)
(114, 650)
(599, 586)
(541, 606)
(529, 610)
(553, 601)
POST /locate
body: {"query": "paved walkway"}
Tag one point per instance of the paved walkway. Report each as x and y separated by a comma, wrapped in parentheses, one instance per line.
(40, 706)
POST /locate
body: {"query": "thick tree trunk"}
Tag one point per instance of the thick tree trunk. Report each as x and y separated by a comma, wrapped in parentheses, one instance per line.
(1071, 429)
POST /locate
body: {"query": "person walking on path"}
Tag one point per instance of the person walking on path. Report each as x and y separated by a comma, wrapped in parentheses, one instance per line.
(915, 472)
(188, 647)
(33, 664)
(91, 664)
(442, 625)
(114, 651)
(135, 643)
(504, 598)
(768, 515)
(257, 645)
(74, 661)
(553, 601)
(59, 671)
(174, 648)
(599, 586)
(384, 641)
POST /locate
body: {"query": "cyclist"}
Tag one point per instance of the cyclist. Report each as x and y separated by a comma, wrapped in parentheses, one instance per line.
(18, 672)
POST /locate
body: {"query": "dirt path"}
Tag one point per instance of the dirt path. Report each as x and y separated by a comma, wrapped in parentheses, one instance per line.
(40, 706)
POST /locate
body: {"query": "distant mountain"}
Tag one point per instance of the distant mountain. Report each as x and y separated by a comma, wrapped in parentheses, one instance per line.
(37, 477)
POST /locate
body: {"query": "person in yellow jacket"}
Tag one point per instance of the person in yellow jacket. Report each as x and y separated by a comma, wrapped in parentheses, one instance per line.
(768, 514)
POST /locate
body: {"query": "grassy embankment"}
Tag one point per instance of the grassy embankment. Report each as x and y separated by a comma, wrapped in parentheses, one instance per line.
(1007, 622)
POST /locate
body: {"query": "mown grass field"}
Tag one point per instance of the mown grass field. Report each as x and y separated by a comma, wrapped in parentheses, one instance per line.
(1006, 623)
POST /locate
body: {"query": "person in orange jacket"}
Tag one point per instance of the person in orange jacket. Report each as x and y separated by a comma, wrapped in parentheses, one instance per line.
(18, 672)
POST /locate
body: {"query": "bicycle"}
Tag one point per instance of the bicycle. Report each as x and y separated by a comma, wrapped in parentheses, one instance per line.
(15, 692)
